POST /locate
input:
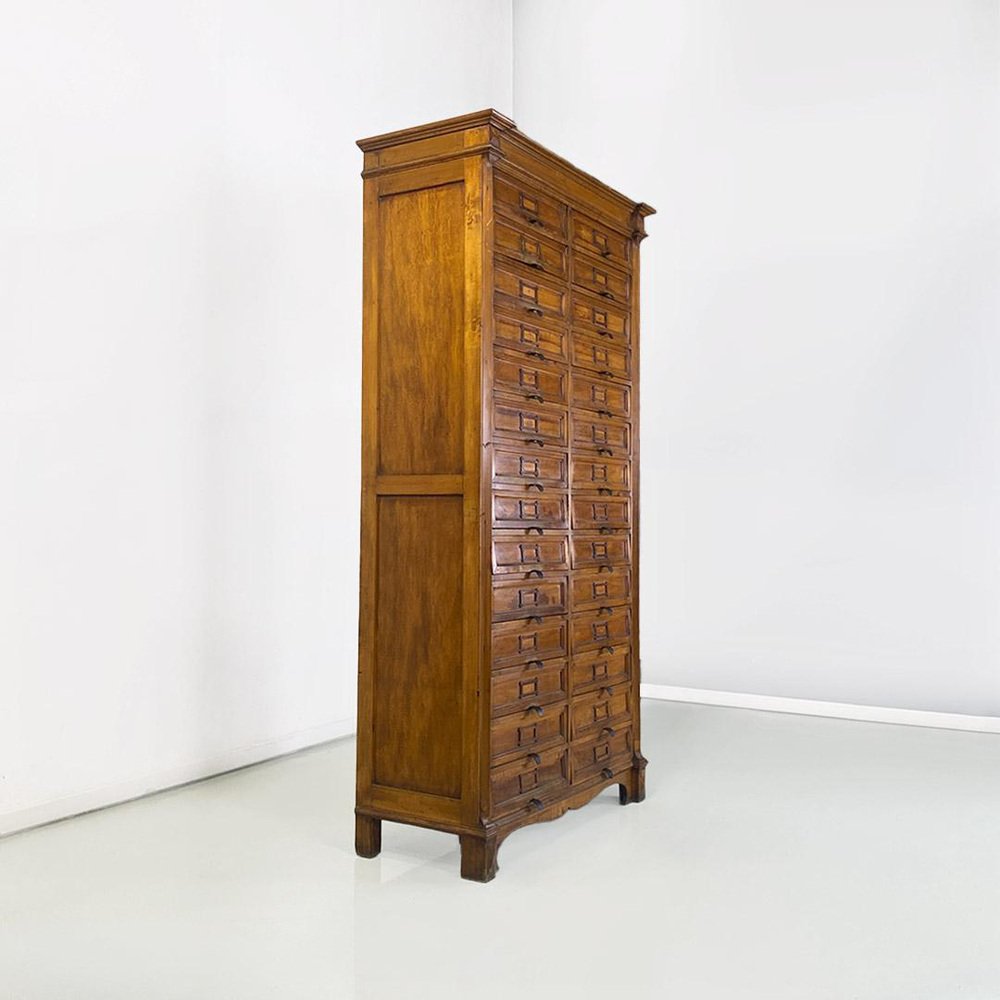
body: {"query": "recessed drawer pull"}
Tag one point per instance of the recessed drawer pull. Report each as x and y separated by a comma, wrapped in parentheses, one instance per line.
(539, 442)
(534, 758)
(604, 611)
(606, 333)
(604, 451)
(603, 413)
(532, 262)
(604, 491)
(606, 252)
(535, 619)
(606, 373)
(540, 531)
(534, 310)
(535, 354)
(607, 731)
(539, 399)
(536, 486)
(533, 220)
(536, 664)
(605, 530)
(535, 710)
(605, 568)
(607, 692)
(535, 573)
(610, 650)
(607, 773)
(605, 295)
(534, 805)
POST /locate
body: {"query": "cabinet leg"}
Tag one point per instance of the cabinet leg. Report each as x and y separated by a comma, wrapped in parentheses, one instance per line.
(367, 836)
(635, 788)
(479, 857)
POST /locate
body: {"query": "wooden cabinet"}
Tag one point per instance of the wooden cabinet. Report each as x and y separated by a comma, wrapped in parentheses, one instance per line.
(498, 671)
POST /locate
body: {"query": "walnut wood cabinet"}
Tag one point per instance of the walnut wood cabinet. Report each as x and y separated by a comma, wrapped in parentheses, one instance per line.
(498, 669)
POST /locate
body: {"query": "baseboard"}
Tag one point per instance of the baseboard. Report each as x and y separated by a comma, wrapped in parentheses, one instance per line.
(824, 709)
(135, 788)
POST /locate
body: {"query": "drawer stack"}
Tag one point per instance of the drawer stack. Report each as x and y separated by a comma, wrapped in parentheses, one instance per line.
(561, 705)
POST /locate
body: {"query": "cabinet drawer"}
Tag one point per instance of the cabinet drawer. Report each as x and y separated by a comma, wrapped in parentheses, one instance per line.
(601, 355)
(600, 708)
(599, 473)
(609, 749)
(517, 598)
(599, 669)
(526, 776)
(607, 282)
(601, 241)
(515, 689)
(524, 553)
(534, 340)
(601, 512)
(523, 466)
(608, 437)
(529, 728)
(520, 201)
(593, 588)
(530, 423)
(609, 399)
(596, 316)
(531, 296)
(599, 630)
(529, 639)
(523, 509)
(612, 550)
(535, 380)
(522, 242)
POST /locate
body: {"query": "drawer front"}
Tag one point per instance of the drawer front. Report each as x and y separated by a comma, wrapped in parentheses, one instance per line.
(525, 730)
(521, 202)
(612, 550)
(594, 589)
(609, 399)
(534, 340)
(530, 423)
(599, 630)
(601, 512)
(529, 639)
(597, 473)
(529, 296)
(528, 775)
(521, 510)
(607, 282)
(606, 436)
(521, 553)
(523, 243)
(596, 316)
(590, 670)
(515, 689)
(600, 708)
(518, 598)
(616, 248)
(601, 355)
(527, 377)
(609, 749)
(524, 466)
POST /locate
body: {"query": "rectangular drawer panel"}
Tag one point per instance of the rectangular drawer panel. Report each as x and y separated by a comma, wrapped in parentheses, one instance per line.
(529, 423)
(610, 748)
(593, 588)
(596, 316)
(529, 296)
(595, 630)
(531, 465)
(524, 553)
(522, 640)
(517, 200)
(523, 243)
(607, 282)
(601, 512)
(530, 728)
(516, 688)
(599, 669)
(592, 472)
(608, 399)
(601, 355)
(604, 435)
(517, 598)
(526, 776)
(605, 243)
(533, 339)
(600, 708)
(607, 550)
(529, 509)
(535, 380)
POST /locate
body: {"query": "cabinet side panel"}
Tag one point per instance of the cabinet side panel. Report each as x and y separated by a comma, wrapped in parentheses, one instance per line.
(421, 331)
(417, 725)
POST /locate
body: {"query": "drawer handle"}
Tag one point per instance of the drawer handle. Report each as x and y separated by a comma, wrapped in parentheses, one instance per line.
(606, 252)
(534, 758)
(604, 491)
(607, 692)
(536, 486)
(539, 399)
(535, 710)
(605, 530)
(535, 619)
(607, 732)
(606, 295)
(604, 611)
(536, 664)
(606, 333)
(607, 773)
(606, 373)
(602, 413)
(534, 310)
(540, 531)
(533, 220)
(532, 262)
(604, 451)
(534, 805)
(538, 441)
(535, 573)
(610, 650)
(535, 354)
(605, 568)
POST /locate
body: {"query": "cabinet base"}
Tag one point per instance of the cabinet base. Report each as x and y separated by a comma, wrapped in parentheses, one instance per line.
(367, 836)
(479, 857)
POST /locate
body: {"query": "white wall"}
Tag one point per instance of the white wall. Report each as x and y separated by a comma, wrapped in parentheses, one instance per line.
(821, 347)
(180, 224)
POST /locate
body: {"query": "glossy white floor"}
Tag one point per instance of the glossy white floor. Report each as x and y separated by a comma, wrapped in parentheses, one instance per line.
(775, 857)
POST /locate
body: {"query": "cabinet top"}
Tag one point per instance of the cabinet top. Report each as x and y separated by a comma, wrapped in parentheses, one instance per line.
(479, 132)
